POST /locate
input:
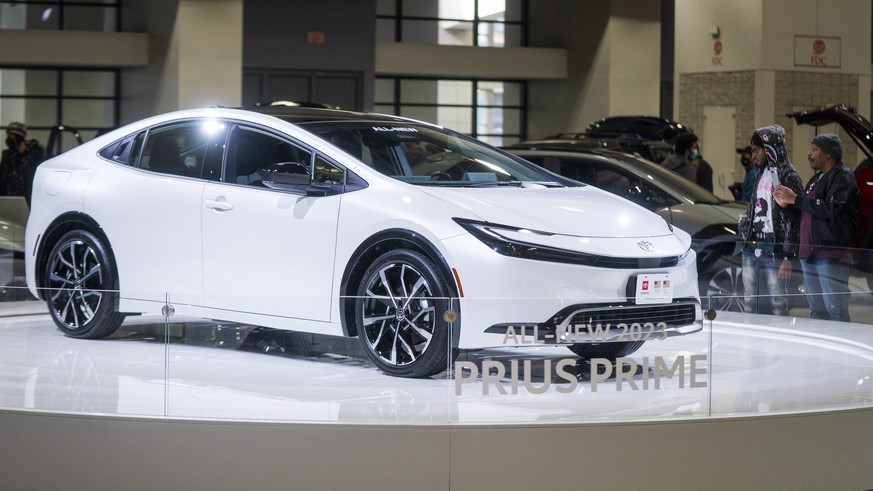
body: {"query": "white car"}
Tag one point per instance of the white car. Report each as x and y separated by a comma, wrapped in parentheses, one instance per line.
(417, 239)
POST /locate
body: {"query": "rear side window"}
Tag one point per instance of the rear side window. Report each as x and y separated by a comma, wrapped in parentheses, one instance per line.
(179, 148)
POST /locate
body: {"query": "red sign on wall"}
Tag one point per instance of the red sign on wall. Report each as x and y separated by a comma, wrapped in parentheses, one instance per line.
(817, 51)
(717, 48)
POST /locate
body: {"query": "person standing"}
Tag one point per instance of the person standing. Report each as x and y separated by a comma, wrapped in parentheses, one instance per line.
(828, 221)
(680, 161)
(769, 233)
(702, 169)
(18, 162)
(749, 180)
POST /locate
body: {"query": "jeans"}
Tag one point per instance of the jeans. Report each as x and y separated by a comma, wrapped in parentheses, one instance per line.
(758, 259)
(827, 288)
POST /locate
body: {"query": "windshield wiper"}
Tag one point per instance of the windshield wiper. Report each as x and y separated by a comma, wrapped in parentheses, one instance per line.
(488, 184)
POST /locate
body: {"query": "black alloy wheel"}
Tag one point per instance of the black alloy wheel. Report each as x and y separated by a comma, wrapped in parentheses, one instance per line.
(81, 287)
(399, 311)
(725, 290)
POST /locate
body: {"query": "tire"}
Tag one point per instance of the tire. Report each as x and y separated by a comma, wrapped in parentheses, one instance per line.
(725, 290)
(610, 351)
(413, 340)
(81, 281)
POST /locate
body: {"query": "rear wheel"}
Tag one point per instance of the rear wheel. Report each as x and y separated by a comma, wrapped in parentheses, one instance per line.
(82, 287)
(399, 311)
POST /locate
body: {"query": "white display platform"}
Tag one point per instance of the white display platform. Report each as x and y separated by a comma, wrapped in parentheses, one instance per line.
(788, 404)
(196, 369)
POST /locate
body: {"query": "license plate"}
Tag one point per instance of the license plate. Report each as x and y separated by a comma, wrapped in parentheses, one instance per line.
(654, 288)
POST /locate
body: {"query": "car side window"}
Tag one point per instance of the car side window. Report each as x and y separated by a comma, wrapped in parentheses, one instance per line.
(251, 154)
(327, 173)
(577, 170)
(613, 181)
(177, 149)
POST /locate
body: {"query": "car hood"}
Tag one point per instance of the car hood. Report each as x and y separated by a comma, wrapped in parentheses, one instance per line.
(580, 212)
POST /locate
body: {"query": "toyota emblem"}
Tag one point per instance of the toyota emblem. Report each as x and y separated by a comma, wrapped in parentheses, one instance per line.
(646, 245)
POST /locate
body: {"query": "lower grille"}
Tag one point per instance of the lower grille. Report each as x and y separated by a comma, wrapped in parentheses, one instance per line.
(675, 314)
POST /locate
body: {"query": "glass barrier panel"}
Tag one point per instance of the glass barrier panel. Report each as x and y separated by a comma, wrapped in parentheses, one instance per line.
(410, 357)
(806, 357)
(551, 360)
(45, 367)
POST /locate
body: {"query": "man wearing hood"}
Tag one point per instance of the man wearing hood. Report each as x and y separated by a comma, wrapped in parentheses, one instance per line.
(769, 232)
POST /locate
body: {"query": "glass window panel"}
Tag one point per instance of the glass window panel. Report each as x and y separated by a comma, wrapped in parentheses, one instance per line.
(455, 92)
(384, 90)
(491, 9)
(489, 120)
(495, 140)
(421, 8)
(420, 31)
(491, 34)
(512, 93)
(28, 82)
(456, 118)
(512, 121)
(428, 114)
(452, 33)
(87, 83)
(86, 18)
(386, 7)
(513, 35)
(419, 91)
(34, 113)
(43, 17)
(456, 9)
(385, 30)
(88, 113)
(384, 108)
(513, 10)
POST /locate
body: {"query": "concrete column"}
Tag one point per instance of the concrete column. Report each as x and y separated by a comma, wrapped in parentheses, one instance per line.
(613, 67)
(195, 56)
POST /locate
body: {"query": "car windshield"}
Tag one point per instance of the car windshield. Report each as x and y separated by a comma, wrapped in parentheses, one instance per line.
(687, 190)
(426, 155)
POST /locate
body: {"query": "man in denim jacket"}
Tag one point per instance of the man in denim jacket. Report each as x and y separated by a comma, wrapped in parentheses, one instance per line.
(829, 218)
(769, 232)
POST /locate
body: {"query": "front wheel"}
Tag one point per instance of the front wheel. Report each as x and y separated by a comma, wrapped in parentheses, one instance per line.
(82, 292)
(399, 312)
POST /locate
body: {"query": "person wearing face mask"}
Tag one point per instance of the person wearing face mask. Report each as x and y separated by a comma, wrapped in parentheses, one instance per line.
(749, 181)
(680, 161)
(19, 162)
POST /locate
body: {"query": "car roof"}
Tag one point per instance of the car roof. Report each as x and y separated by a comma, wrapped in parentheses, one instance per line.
(297, 114)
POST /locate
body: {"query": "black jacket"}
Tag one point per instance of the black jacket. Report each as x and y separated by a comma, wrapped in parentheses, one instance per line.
(834, 210)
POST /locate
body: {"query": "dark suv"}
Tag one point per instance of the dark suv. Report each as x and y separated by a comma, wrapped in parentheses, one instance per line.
(650, 137)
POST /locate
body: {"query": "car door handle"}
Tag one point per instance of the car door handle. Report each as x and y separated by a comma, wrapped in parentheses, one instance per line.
(218, 205)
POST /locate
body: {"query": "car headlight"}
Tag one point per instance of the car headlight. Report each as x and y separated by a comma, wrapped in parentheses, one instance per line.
(490, 234)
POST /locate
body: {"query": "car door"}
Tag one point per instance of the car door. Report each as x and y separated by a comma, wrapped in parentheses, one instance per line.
(148, 205)
(268, 251)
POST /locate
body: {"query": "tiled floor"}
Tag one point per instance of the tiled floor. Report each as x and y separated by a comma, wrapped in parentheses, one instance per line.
(738, 365)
